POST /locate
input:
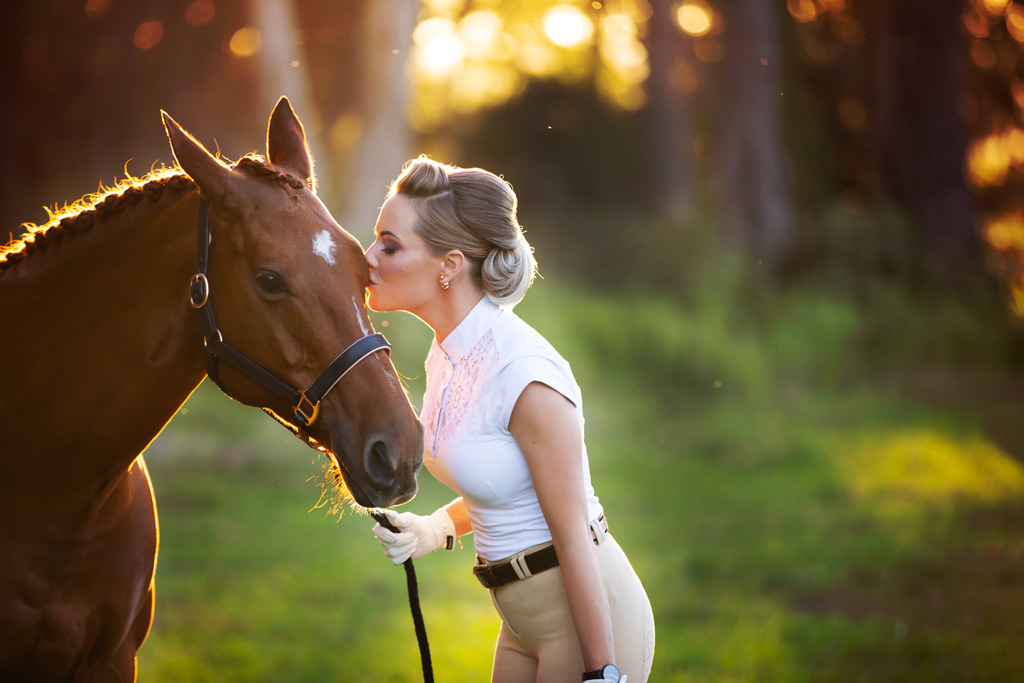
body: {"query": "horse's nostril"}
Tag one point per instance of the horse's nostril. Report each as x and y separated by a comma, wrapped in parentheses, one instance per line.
(380, 463)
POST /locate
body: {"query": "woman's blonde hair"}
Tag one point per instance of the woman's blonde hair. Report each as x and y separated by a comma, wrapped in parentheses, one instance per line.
(473, 211)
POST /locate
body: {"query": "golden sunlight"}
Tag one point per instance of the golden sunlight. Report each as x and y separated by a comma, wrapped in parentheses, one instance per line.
(995, 6)
(246, 41)
(443, 6)
(463, 63)
(694, 18)
(481, 32)
(618, 27)
(1015, 23)
(1006, 232)
(566, 26)
(439, 48)
(624, 60)
(628, 57)
(537, 59)
(990, 159)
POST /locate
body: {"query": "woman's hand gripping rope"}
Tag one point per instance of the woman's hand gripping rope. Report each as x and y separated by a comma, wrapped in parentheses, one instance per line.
(416, 536)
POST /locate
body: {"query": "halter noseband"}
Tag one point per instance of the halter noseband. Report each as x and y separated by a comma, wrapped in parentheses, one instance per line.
(306, 404)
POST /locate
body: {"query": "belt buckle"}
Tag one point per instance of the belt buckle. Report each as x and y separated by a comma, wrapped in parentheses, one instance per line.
(520, 567)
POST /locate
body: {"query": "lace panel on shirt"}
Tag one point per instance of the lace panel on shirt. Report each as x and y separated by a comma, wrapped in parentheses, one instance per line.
(438, 373)
(464, 411)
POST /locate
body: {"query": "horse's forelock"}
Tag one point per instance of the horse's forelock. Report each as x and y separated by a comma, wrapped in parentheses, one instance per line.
(255, 164)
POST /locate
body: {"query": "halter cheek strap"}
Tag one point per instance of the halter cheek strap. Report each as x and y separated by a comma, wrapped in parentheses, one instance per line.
(306, 404)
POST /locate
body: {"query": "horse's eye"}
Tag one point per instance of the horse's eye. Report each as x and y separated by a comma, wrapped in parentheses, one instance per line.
(271, 283)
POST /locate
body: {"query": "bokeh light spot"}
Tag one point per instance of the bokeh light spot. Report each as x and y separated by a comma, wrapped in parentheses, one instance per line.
(199, 12)
(853, 114)
(1015, 23)
(996, 7)
(976, 24)
(618, 27)
(439, 49)
(694, 18)
(246, 41)
(708, 51)
(480, 32)
(148, 35)
(1006, 232)
(990, 159)
(983, 55)
(803, 11)
(96, 8)
(566, 26)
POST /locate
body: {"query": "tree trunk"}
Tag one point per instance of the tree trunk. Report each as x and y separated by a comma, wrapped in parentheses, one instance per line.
(753, 172)
(670, 134)
(285, 73)
(386, 142)
(921, 141)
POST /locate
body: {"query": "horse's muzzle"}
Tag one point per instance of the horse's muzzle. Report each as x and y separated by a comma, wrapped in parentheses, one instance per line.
(384, 477)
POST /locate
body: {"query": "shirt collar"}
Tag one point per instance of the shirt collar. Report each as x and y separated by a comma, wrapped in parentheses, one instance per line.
(467, 333)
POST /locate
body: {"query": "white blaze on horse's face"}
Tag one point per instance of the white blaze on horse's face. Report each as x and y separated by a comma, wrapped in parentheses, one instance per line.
(323, 246)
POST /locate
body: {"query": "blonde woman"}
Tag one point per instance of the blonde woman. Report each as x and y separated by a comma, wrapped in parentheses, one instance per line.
(503, 425)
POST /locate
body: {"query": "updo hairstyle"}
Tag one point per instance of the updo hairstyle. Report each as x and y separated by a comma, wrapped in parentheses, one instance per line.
(473, 211)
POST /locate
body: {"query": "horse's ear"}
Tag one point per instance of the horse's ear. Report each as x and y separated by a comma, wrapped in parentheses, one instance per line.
(286, 143)
(212, 177)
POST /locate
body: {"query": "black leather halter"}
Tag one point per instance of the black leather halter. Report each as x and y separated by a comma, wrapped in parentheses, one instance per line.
(306, 404)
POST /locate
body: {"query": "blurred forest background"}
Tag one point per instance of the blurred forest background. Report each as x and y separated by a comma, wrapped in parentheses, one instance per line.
(781, 243)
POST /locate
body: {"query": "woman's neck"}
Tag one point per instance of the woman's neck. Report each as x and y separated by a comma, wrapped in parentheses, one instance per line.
(450, 308)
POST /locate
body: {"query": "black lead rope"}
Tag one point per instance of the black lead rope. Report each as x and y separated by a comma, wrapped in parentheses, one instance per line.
(410, 572)
(414, 606)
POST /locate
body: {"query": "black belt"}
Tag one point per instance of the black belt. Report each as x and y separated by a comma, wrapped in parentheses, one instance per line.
(523, 565)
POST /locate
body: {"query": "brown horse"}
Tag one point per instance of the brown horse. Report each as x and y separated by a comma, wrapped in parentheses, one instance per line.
(99, 348)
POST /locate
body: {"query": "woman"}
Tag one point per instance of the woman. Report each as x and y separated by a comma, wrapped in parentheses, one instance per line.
(504, 428)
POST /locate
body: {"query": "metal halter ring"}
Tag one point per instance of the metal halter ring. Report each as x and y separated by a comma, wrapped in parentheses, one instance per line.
(199, 290)
(301, 416)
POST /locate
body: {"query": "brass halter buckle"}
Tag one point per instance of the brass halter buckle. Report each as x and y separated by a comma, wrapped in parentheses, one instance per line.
(304, 417)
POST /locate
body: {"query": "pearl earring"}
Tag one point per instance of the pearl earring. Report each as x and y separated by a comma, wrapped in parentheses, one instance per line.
(445, 284)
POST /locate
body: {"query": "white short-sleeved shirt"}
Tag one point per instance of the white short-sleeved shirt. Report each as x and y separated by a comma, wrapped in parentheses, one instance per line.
(474, 379)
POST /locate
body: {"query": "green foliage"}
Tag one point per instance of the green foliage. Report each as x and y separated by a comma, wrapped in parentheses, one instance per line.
(775, 517)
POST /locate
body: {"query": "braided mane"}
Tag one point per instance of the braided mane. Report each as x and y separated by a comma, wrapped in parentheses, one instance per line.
(109, 201)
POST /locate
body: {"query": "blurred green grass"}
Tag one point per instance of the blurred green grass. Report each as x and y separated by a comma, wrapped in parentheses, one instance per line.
(778, 494)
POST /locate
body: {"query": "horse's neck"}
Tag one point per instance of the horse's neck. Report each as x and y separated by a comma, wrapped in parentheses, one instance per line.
(100, 345)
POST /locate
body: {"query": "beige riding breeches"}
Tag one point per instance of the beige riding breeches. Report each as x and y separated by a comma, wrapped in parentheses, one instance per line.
(538, 641)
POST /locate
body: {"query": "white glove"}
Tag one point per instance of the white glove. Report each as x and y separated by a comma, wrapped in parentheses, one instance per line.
(417, 535)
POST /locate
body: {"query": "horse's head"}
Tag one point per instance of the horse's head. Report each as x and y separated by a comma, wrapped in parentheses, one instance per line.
(288, 283)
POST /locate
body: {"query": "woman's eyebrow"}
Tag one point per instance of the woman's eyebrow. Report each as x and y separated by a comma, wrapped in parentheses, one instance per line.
(387, 233)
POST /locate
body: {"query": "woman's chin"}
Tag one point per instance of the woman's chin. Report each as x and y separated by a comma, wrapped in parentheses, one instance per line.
(373, 302)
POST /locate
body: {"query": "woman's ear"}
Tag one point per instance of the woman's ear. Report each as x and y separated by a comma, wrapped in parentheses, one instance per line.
(452, 265)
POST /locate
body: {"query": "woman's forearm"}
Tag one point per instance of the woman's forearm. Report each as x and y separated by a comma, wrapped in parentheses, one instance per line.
(585, 593)
(460, 516)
